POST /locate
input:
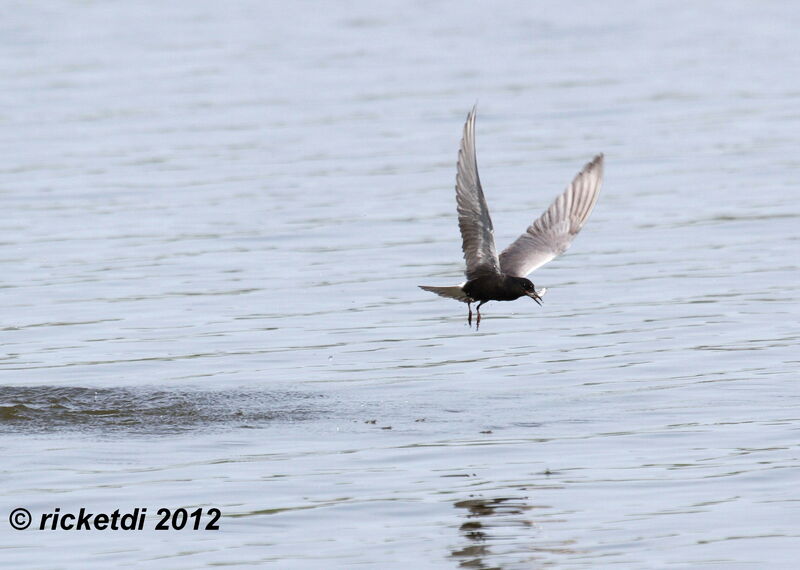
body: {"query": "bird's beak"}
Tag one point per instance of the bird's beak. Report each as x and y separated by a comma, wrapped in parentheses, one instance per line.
(535, 296)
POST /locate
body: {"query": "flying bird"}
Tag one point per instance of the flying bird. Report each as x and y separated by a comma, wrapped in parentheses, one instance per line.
(492, 277)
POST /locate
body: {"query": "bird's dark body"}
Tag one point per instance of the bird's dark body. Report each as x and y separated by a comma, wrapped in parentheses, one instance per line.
(495, 287)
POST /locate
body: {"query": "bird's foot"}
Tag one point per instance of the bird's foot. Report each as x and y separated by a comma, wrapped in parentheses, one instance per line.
(478, 310)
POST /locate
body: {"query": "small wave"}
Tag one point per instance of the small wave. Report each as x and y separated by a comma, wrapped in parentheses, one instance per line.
(39, 409)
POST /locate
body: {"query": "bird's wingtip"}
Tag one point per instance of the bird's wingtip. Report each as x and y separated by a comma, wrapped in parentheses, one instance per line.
(596, 164)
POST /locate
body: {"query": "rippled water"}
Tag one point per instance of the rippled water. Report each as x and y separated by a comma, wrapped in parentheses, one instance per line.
(215, 220)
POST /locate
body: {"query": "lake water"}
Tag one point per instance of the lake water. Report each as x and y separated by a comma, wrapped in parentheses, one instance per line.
(215, 218)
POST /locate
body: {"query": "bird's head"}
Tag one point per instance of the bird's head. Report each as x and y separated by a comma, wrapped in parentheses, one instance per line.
(528, 289)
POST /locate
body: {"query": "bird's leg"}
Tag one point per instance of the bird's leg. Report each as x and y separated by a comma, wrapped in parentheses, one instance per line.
(478, 309)
(469, 317)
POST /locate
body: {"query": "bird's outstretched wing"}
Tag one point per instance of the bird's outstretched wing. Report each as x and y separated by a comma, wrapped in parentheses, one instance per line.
(551, 235)
(477, 232)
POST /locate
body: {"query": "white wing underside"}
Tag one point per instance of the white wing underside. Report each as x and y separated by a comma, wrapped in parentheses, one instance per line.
(552, 233)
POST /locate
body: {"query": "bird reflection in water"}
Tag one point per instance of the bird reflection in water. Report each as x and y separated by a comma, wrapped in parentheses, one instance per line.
(498, 533)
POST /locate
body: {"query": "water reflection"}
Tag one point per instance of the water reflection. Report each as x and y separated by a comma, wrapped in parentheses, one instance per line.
(147, 410)
(492, 531)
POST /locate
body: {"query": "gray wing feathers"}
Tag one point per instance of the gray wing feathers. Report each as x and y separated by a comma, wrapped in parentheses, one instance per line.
(477, 232)
(551, 234)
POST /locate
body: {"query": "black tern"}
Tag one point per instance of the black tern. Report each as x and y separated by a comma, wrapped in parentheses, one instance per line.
(504, 278)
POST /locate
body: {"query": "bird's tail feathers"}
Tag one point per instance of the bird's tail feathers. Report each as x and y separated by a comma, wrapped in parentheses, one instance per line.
(455, 292)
